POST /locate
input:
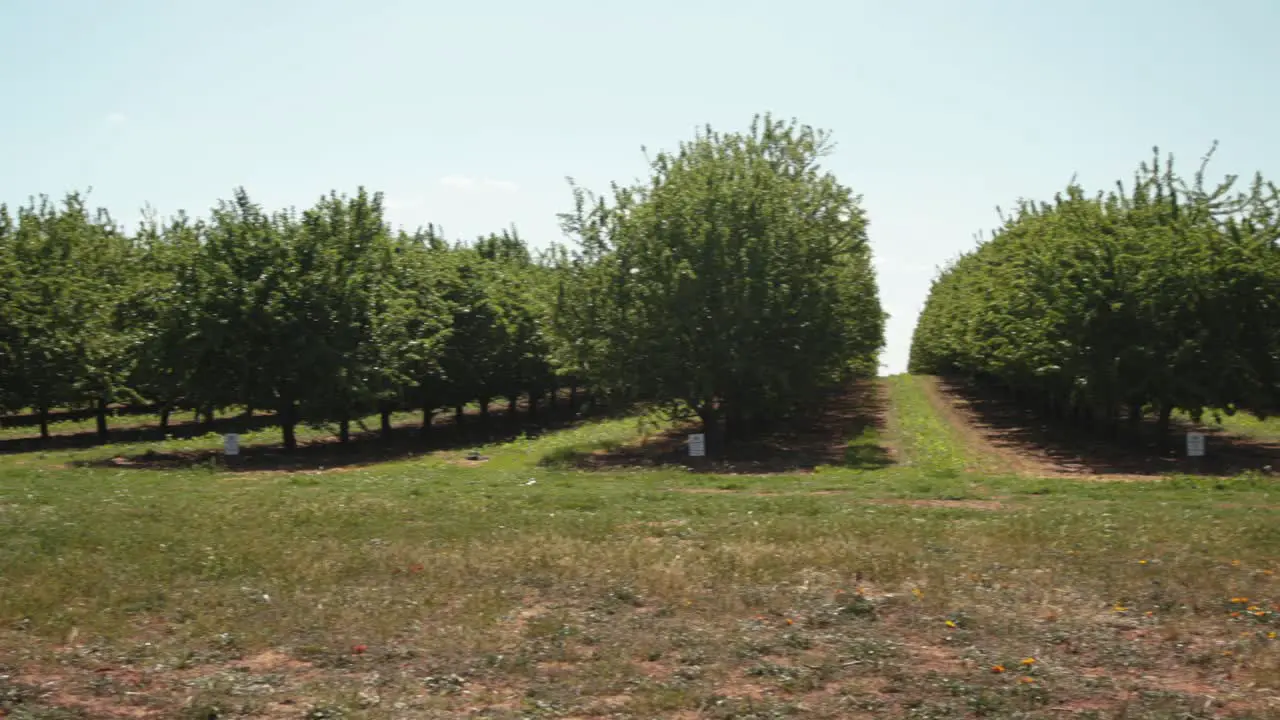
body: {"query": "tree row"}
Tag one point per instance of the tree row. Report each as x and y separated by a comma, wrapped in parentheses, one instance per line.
(1146, 299)
(734, 285)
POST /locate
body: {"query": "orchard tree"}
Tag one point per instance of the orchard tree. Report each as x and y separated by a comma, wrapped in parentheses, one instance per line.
(473, 359)
(11, 289)
(735, 283)
(67, 345)
(344, 272)
(248, 343)
(164, 311)
(418, 325)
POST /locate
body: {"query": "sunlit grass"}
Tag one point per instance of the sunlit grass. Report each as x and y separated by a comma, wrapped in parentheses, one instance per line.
(1243, 423)
(926, 441)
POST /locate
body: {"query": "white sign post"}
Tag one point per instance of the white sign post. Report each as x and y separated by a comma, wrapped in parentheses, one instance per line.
(231, 444)
(1195, 444)
(697, 445)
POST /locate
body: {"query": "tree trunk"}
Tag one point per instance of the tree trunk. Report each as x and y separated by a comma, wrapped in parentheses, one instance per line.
(710, 427)
(534, 396)
(101, 414)
(386, 425)
(1163, 422)
(484, 411)
(1135, 414)
(511, 408)
(44, 423)
(551, 398)
(288, 419)
(344, 431)
(208, 415)
(1135, 422)
(248, 413)
(735, 424)
(164, 419)
(1111, 420)
(458, 415)
(428, 417)
(573, 397)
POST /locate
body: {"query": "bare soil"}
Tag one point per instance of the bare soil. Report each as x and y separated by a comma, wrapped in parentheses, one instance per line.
(1033, 445)
(823, 439)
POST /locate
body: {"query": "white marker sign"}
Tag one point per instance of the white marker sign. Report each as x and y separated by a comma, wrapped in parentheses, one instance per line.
(697, 445)
(1195, 444)
(231, 444)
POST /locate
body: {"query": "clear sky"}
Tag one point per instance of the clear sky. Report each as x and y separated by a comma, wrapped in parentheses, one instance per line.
(471, 115)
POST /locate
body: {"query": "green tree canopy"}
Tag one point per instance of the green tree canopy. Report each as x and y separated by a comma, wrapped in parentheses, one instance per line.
(1156, 297)
(736, 282)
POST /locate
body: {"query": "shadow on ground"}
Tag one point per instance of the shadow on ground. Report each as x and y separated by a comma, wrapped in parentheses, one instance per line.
(844, 433)
(135, 433)
(30, 419)
(367, 446)
(1026, 437)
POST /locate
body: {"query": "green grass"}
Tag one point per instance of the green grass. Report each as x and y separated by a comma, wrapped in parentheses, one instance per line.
(437, 587)
(926, 441)
(1245, 424)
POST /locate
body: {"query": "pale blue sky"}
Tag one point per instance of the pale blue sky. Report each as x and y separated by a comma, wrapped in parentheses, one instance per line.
(471, 115)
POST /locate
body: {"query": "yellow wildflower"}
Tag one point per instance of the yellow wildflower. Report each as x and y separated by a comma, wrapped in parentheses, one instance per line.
(951, 623)
(1029, 661)
(997, 669)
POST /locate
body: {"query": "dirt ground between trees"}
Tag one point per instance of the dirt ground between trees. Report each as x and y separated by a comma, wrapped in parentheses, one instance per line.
(858, 409)
(1029, 445)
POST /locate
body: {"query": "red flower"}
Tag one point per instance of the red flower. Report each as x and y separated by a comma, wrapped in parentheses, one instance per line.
(359, 649)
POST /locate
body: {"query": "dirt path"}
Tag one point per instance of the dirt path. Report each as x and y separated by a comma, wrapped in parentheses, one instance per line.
(1029, 446)
(984, 440)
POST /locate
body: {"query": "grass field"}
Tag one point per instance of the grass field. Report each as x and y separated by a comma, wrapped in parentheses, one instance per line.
(940, 583)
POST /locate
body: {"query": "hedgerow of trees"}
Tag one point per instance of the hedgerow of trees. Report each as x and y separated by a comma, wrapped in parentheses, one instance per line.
(322, 317)
(1143, 300)
(735, 284)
